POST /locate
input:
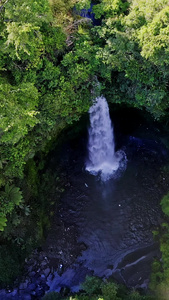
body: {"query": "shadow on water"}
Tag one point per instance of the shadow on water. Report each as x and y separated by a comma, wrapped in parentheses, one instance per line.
(112, 221)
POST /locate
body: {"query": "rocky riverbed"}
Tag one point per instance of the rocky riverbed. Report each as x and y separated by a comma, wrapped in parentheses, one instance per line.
(41, 267)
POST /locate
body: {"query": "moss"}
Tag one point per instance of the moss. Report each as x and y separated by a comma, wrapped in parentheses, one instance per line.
(32, 177)
(11, 260)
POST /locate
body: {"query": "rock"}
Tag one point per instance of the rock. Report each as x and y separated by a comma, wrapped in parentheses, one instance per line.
(30, 269)
(36, 280)
(31, 286)
(83, 247)
(39, 292)
(31, 274)
(14, 293)
(23, 285)
(33, 293)
(46, 272)
(3, 294)
(44, 286)
(25, 297)
(44, 263)
(50, 277)
(41, 258)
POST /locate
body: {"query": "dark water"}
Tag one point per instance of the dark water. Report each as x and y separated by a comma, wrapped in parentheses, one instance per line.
(88, 13)
(113, 220)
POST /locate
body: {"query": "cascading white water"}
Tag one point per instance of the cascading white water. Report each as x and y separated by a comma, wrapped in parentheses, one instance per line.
(102, 156)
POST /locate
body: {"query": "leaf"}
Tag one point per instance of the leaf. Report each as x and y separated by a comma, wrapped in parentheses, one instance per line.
(3, 221)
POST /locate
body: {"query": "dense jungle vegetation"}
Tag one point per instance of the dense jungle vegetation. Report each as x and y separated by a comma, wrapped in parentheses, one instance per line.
(93, 288)
(51, 60)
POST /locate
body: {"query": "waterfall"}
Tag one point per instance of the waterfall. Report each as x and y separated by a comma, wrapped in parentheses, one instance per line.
(101, 147)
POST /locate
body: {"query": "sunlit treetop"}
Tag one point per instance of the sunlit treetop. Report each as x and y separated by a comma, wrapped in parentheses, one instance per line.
(148, 23)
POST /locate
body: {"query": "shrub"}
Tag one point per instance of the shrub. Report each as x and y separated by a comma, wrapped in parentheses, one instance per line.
(109, 291)
(91, 285)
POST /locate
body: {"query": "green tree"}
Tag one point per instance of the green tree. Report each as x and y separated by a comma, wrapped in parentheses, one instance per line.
(17, 111)
(151, 23)
(109, 291)
(110, 9)
(138, 77)
(9, 199)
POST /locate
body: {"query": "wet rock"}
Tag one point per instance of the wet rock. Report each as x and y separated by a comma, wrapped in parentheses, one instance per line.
(44, 263)
(3, 294)
(82, 246)
(44, 286)
(31, 286)
(32, 274)
(14, 292)
(23, 285)
(39, 292)
(25, 296)
(50, 277)
(36, 280)
(46, 272)
(33, 293)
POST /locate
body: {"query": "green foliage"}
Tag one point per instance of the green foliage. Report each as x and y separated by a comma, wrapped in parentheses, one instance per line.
(32, 177)
(9, 198)
(3, 221)
(160, 270)
(91, 285)
(84, 297)
(164, 247)
(23, 41)
(162, 291)
(22, 35)
(29, 35)
(110, 8)
(134, 44)
(134, 295)
(83, 4)
(12, 194)
(101, 291)
(165, 204)
(109, 291)
(153, 34)
(156, 275)
(17, 111)
(36, 12)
